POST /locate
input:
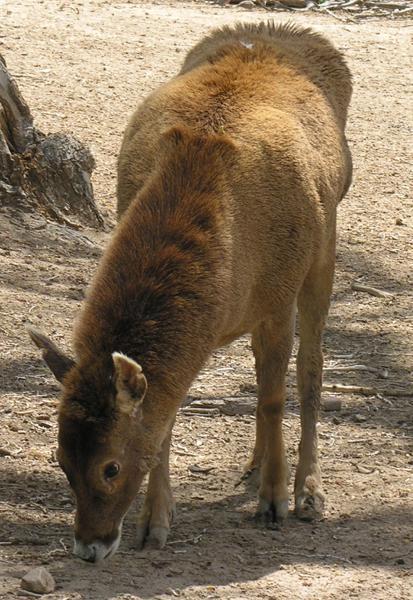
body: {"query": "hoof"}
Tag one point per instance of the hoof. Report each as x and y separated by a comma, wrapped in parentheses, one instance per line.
(309, 508)
(271, 514)
(152, 539)
(309, 504)
(150, 533)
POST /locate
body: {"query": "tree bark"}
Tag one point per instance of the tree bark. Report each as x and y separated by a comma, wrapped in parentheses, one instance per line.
(46, 174)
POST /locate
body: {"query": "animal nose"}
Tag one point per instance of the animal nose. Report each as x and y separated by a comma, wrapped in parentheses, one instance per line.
(85, 551)
(91, 555)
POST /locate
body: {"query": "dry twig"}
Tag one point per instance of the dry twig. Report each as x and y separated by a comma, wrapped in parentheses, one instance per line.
(351, 10)
(383, 373)
(365, 391)
(370, 290)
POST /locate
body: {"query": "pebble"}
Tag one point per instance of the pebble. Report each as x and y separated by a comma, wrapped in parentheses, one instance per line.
(332, 403)
(39, 581)
(248, 4)
(359, 418)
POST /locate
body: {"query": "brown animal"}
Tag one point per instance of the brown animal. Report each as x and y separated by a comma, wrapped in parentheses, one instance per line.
(229, 179)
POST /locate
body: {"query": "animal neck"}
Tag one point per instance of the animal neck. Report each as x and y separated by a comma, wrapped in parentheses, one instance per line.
(159, 292)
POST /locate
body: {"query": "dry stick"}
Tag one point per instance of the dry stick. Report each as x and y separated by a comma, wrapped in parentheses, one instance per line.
(381, 372)
(351, 3)
(365, 391)
(206, 407)
(376, 8)
(193, 540)
(362, 5)
(370, 290)
(372, 13)
(391, 5)
(202, 411)
(204, 402)
(331, 14)
(183, 453)
(283, 7)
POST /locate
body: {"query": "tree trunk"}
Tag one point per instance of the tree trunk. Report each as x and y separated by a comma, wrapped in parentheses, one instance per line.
(46, 174)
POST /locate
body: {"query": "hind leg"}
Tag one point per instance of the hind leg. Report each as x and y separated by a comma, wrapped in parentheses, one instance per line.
(251, 470)
(313, 305)
(272, 344)
(252, 467)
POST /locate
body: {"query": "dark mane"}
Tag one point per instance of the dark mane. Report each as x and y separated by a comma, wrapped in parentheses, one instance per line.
(149, 282)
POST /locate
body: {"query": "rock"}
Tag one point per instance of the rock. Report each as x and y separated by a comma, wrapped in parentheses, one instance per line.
(248, 4)
(332, 403)
(358, 418)
(39, 581)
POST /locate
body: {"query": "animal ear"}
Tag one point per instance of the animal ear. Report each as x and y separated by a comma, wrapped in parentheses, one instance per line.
(130, 382)
(58, 363)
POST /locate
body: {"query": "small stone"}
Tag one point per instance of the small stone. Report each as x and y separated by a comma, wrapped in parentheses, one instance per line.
(39, 581)
(358, 418)
(173, 571)
(399, 221)
(248, 4)
(332, 403)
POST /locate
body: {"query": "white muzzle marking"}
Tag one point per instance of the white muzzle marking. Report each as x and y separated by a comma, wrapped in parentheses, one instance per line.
(97, 550)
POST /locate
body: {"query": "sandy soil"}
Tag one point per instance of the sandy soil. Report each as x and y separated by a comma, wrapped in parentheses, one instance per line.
(83, 66)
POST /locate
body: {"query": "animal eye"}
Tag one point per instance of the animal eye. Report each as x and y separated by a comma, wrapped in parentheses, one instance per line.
(111, 470)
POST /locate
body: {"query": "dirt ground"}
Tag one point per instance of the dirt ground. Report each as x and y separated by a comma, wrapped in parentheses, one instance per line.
(83, 67)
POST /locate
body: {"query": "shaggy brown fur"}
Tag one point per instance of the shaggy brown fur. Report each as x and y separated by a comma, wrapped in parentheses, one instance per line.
(228, 182)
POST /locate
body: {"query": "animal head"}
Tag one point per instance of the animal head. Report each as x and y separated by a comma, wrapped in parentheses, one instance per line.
(102, 447)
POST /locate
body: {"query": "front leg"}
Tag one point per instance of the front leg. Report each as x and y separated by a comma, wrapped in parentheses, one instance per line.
(158, 511)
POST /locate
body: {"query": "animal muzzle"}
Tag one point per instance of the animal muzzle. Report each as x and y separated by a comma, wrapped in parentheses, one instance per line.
(97, 550)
